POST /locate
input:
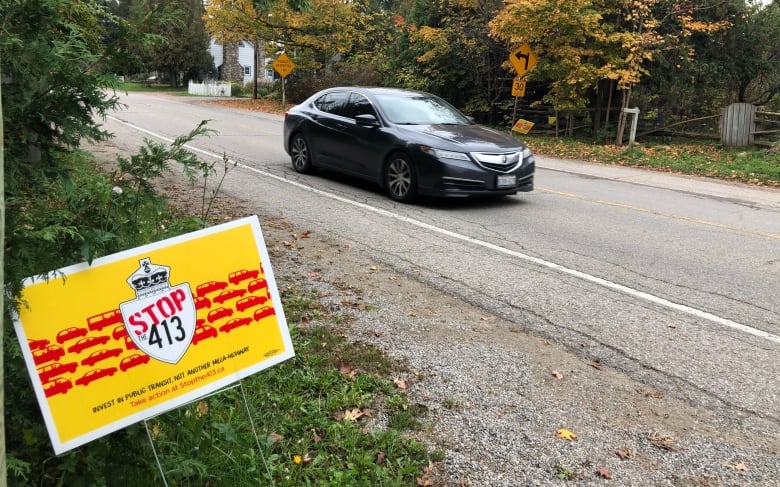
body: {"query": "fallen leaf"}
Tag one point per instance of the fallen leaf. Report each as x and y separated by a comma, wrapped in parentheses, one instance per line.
(625, 454)
(557, 374)
(305, 234)
(401, 384)
(664, 442)
(425, 479)
(352, 414)
(412, 314)
(741, 466)
(156, 429)
(596, 364)
(202, 408)
(393, 278)
(274, 437)
(372, 268)
(604, 473)
(380, 458)
(315, 437)
(565, 434)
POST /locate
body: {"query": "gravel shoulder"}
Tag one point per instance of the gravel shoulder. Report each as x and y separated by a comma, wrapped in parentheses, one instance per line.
(499, 398)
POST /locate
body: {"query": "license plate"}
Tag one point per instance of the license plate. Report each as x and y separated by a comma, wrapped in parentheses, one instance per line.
(506, 181)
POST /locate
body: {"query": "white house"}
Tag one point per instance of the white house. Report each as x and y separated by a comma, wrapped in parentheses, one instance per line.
(234, 62)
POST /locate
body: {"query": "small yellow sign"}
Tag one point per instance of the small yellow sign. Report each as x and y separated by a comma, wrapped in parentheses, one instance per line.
(518, 87)
(137, 333)
(283, 65)
(523, 126)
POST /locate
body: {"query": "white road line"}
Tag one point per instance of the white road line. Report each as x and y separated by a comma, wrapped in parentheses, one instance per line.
(465, 238)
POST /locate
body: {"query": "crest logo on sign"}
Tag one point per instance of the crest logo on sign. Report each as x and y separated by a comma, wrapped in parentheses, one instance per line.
(161, 319)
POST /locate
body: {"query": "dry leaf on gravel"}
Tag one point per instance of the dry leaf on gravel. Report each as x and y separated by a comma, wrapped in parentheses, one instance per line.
(399, 383)
(604, 473)
(557, 374)
(665, 442)
(565, 434)
(425, 479)
(625, 453)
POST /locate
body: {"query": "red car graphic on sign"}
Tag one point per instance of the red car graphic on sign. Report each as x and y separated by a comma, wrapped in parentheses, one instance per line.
(130, 344)
(202, 302)
(51, 353)
(243, 275)
(70, 334)
(57, 386)
(263, 312)
(94, 375)
(250, 302)
(219, 313)
(38, 344)
(119, 332)
(47, 372)
(235, 323)
(88, 342)
(256, 285)
(133, 361)
(98, 322)
(210, 287)
(100, 355)
(229, 294)
(203, 332)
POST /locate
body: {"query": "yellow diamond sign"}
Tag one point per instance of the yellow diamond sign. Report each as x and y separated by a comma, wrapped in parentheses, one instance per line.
(283, 65)
(523, 60)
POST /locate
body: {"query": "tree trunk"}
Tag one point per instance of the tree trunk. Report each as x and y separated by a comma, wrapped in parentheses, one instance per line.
(623, 117)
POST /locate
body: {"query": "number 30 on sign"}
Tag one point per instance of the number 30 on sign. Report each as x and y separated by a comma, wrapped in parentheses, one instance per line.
(518, 87)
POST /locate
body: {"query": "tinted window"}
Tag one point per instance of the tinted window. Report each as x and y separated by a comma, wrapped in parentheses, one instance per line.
(358, 105)
(420, 110)
(332, 102)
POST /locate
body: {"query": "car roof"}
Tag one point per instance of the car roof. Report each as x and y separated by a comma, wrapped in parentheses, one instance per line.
(376, 90)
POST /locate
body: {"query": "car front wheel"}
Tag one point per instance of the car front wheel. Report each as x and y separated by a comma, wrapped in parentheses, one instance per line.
(300, 155)
(400, 179)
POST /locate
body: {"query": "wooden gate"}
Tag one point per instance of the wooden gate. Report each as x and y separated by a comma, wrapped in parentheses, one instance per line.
(738, 124)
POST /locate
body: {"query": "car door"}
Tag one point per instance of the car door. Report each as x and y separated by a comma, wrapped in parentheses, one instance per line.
(361, 149)
(328, 129)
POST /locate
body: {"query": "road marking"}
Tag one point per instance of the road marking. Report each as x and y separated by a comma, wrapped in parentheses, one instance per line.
(673, 216)
(481, 243)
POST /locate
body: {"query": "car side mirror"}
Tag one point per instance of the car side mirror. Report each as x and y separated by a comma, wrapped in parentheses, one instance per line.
(367, 120)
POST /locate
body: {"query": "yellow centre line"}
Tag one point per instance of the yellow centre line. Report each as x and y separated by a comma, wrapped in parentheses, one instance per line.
(661, 213)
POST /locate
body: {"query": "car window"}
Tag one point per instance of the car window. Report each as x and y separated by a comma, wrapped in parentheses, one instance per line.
(358, 105)
(420, 110)
(334, 102)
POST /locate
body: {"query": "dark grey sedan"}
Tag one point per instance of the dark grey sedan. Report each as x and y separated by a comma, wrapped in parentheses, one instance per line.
(410, 143)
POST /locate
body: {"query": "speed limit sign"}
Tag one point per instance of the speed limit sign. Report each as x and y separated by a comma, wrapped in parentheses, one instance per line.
(518, 87)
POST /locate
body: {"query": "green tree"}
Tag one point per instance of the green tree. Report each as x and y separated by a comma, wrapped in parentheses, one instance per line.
(180, 50)
(445, 47)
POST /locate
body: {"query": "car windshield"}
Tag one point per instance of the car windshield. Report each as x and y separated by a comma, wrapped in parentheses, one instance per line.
(419, 110)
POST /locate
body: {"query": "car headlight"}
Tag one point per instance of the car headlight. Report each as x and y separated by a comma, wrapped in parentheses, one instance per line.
(527, 153)
(445, 154)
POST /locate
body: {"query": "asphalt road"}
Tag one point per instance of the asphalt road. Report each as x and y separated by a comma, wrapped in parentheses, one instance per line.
(670, 279)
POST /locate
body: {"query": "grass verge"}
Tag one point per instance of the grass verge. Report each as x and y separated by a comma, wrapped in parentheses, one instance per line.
(329, 416)
(750, 165)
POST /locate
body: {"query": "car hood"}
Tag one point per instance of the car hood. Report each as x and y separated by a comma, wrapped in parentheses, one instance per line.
(468, 137)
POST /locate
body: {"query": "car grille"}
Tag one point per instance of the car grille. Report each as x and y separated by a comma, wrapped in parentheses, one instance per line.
(501, 162)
